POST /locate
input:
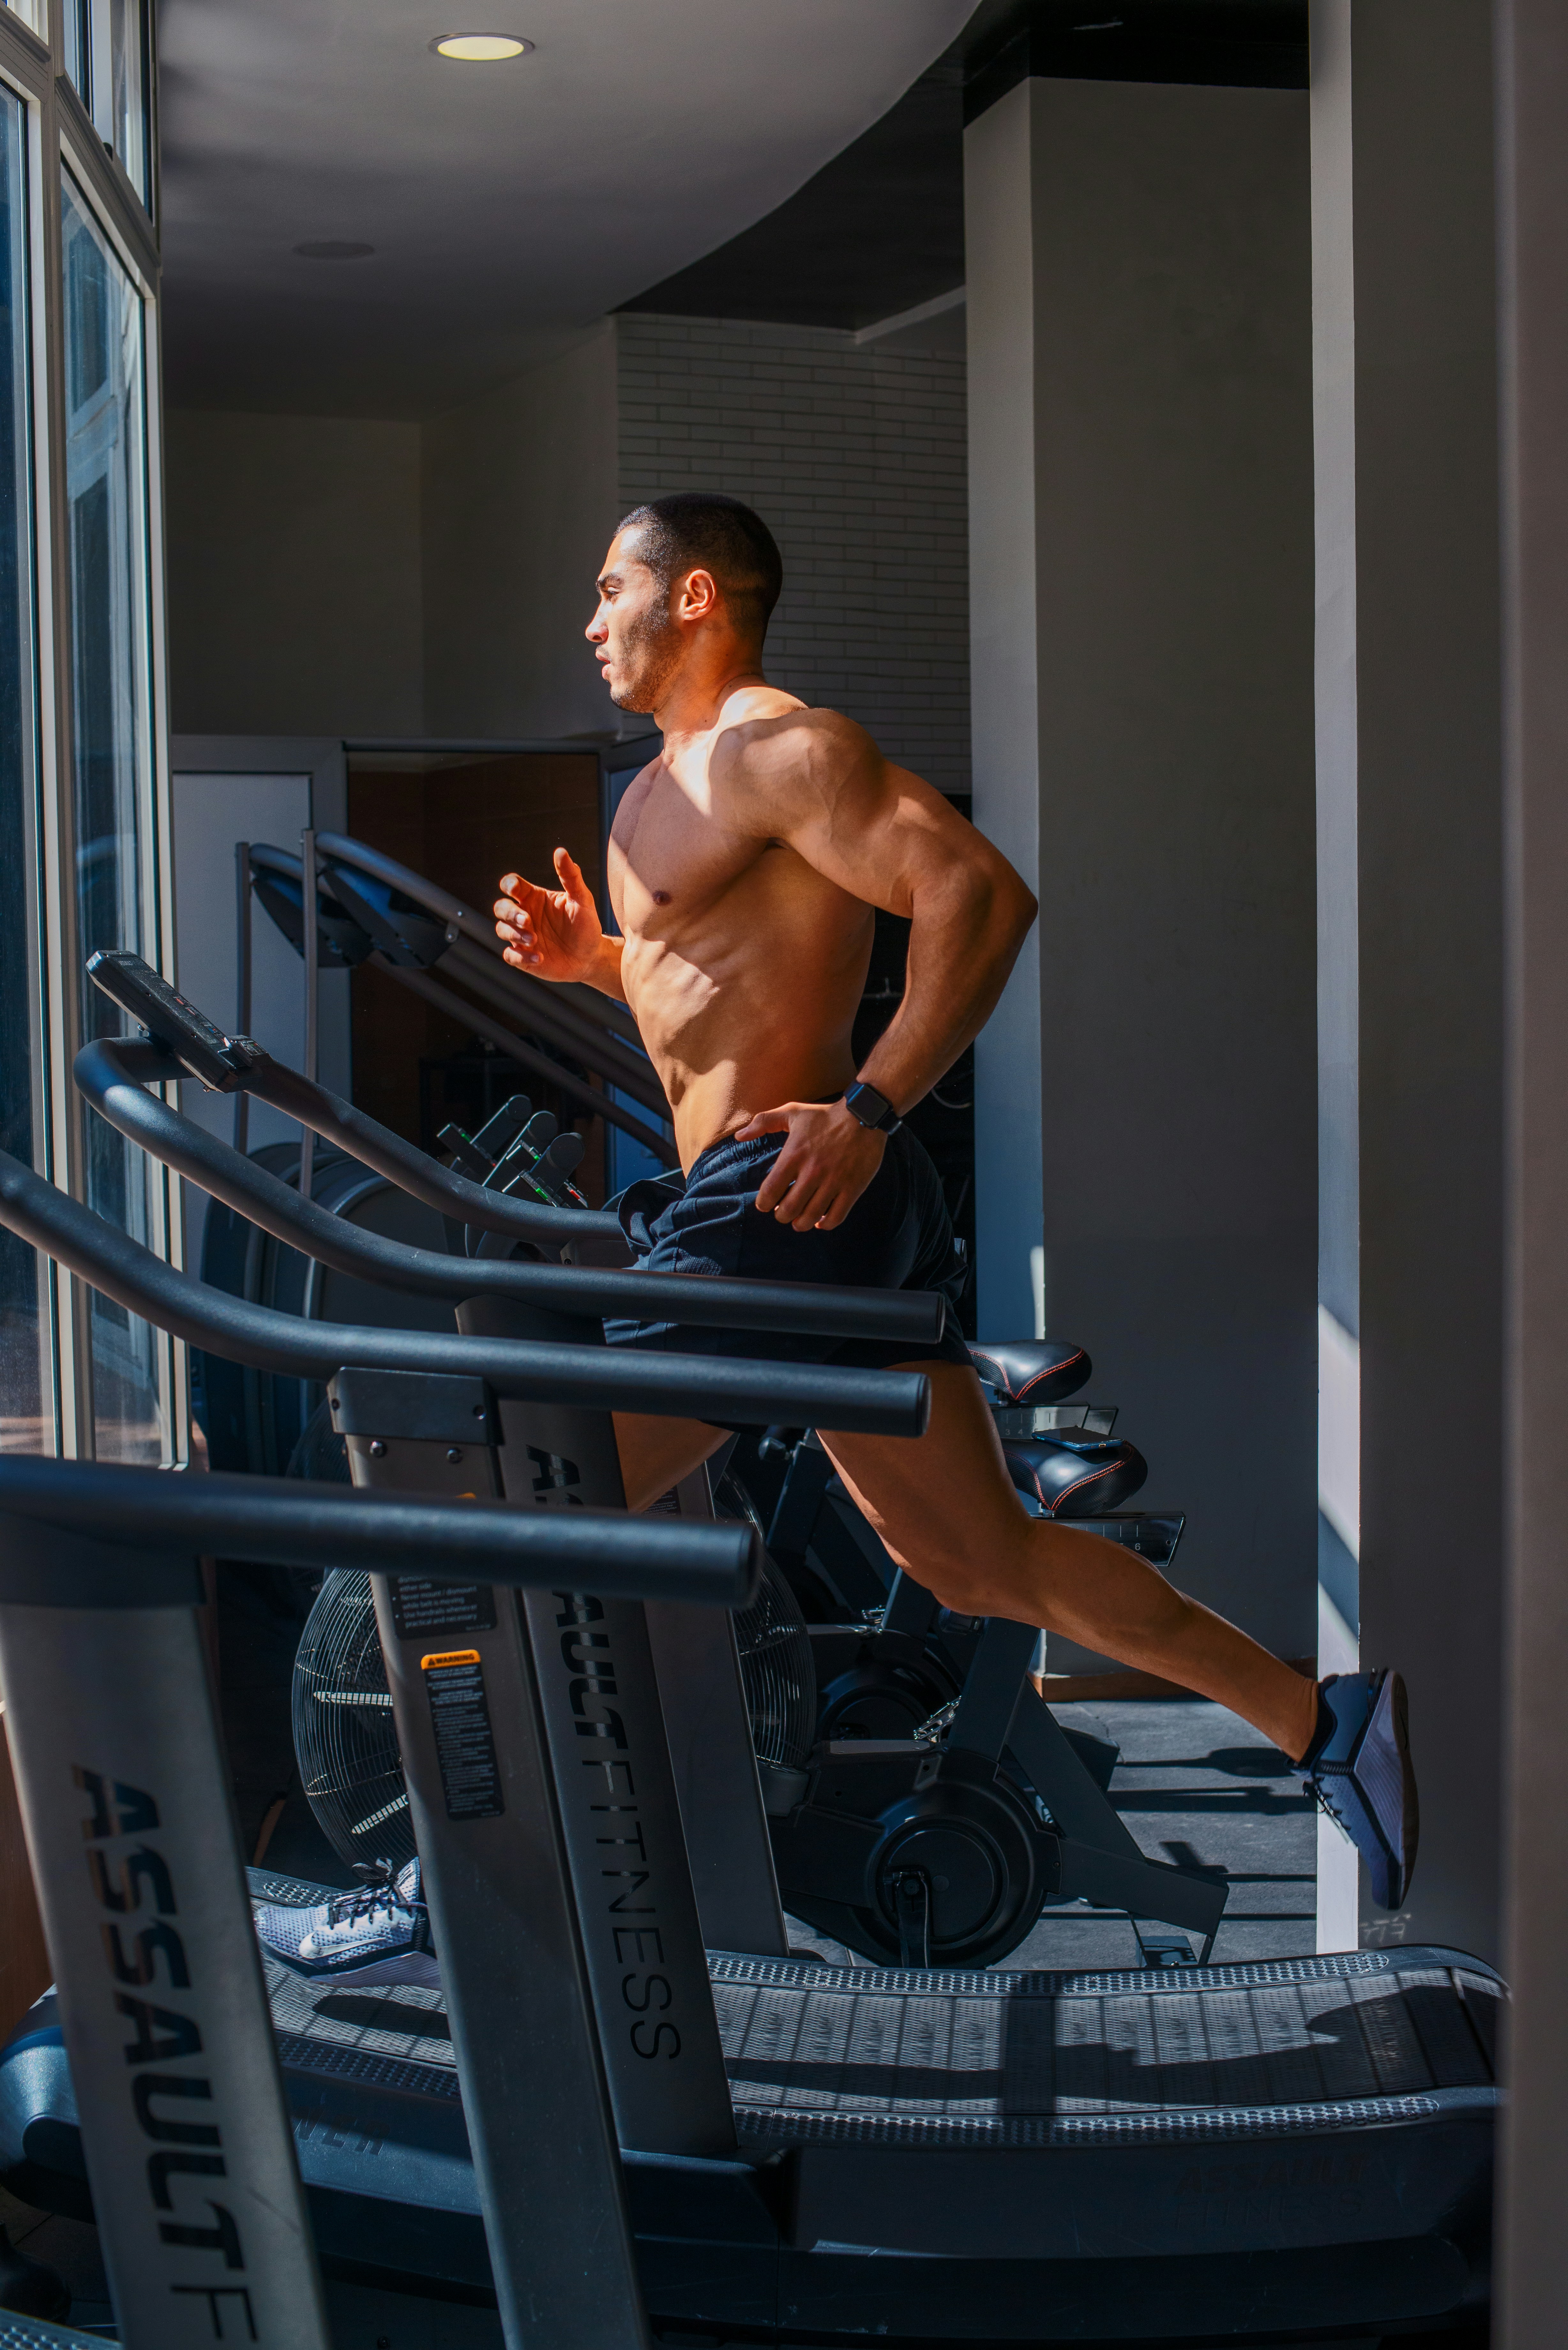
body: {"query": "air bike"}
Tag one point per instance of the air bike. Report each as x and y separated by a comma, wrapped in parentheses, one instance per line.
(1255, 2152)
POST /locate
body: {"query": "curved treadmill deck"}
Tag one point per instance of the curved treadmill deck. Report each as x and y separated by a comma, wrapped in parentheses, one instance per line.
(1268, 2146)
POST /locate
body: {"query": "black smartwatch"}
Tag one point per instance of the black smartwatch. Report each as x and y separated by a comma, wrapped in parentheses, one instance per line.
(872, 1108)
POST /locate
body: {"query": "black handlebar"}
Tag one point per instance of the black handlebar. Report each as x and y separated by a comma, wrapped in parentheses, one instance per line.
(323, 1525)
(111, 1073)
(718, 1390)
(223, 1064)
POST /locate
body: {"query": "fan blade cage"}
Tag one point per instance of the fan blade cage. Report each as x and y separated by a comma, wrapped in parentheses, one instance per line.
(778, 1674)
(344, 1734)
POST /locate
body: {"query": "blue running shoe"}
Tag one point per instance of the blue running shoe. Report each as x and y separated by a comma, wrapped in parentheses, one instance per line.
(1358, 1769)
(380, 1933)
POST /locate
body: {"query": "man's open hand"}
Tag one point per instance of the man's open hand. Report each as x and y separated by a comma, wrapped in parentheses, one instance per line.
(828, 1162)
(553, 933)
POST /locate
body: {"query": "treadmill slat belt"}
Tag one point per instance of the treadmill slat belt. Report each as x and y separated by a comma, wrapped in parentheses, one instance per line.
(944, 2056)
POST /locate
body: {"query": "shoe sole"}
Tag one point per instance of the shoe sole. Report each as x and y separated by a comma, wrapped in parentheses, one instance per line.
(1390, 1712)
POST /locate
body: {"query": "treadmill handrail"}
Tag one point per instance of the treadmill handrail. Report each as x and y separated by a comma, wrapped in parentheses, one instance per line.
(442, 1187)
(546, 1006)
(112, 1073)
(146, 997)
(719, 1389)
(342, 848)
(295, 1524)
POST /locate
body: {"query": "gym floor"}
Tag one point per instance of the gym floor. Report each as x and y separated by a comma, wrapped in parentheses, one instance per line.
(1194, 1784)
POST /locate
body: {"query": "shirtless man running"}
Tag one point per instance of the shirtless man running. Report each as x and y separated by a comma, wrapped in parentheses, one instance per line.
(743, 868)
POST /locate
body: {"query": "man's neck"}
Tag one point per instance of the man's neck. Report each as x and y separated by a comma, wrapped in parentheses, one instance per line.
(693, 705)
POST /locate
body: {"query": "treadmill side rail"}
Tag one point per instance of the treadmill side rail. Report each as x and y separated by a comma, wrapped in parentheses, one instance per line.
(189, 2148)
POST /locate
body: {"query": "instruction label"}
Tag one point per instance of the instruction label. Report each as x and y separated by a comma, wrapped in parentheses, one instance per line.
(420, 1605)
(464, 1740)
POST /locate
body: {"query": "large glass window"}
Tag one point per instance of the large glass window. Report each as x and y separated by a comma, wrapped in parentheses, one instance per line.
(106, 483)
(106, 56)
(24, 1392)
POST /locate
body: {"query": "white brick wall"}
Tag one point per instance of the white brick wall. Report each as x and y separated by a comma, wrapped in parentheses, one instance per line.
(855, 456)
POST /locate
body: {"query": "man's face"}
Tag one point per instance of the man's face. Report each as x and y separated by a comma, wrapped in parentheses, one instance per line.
(639, 646)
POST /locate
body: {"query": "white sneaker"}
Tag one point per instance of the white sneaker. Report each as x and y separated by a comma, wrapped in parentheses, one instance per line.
(379, 1933)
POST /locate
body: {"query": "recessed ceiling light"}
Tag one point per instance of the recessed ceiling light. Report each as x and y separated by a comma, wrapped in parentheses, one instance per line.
(333, 248)
(481, 48)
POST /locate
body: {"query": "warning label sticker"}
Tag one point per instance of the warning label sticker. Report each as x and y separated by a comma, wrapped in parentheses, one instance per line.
(421, 1605)
(464, 1740)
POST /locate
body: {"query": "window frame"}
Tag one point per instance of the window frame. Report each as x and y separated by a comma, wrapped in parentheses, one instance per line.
(61, 137)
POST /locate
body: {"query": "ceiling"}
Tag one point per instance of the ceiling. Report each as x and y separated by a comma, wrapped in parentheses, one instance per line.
(508, 205)
(880, 229)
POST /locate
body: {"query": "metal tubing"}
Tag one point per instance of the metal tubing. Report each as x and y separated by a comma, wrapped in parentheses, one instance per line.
(242, 982)
(107, 1074)
(342, 849)
(190, 2152)
(442, 1188)
(151, 1514)
(714, 1388)
(311, 948)
(535, 1000)
(600, 1105)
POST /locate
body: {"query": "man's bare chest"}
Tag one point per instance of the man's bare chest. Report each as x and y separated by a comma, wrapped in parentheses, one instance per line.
(675, 852)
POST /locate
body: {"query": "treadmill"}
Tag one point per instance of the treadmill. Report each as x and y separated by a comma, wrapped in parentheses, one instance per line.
(184, 2133)
(1256, 2151)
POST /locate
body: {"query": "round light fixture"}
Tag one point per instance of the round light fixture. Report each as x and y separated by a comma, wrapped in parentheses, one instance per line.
(335, 248)
(481, 48)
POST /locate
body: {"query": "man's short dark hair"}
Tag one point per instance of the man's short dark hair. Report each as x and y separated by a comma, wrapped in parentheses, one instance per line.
(701, 528)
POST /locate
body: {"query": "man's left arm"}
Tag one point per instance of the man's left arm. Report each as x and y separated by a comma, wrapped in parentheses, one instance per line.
(890, 840)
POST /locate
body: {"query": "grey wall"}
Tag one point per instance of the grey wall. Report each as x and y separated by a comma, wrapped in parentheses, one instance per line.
(353, 578)
(519, 502)
(1170, 568)
(1410, 717)
(1532, 181)
(855, 455)
(1000, 162)
(295, 595)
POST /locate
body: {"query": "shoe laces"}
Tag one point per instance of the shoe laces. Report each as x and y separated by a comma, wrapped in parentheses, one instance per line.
(368, 1901)
(1319, 1790)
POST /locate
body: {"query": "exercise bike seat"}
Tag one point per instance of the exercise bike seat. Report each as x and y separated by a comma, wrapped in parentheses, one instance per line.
(1073, 1474)
(1029, 1371)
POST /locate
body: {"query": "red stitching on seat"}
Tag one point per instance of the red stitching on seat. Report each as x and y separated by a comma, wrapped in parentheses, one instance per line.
(1052, 1509)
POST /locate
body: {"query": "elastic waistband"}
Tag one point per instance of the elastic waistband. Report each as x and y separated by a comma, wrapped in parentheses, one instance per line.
(732, 1153)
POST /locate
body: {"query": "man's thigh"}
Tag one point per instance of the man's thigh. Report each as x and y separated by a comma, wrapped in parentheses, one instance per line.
(943, 1503)
(656, 1454)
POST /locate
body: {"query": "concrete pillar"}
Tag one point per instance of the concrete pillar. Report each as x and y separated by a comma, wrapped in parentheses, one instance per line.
(1141, 581)
(1411, 912)
(1532, 181)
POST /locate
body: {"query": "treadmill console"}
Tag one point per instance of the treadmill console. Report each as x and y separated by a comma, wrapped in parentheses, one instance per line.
(200, 1047)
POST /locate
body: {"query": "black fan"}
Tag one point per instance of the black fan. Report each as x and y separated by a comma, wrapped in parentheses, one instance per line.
(777, 1671)
(343, 1735)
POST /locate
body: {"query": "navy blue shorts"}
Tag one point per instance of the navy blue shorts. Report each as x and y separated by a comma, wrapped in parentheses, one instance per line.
(897, 1235)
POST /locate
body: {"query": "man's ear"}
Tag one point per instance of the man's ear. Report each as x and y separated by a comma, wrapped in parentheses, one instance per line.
(697, 596)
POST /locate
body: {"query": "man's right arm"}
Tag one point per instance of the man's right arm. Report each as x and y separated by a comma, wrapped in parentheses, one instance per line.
(556, 934)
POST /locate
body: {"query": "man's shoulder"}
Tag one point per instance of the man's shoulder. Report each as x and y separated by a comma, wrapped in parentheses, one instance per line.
(786, 748)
